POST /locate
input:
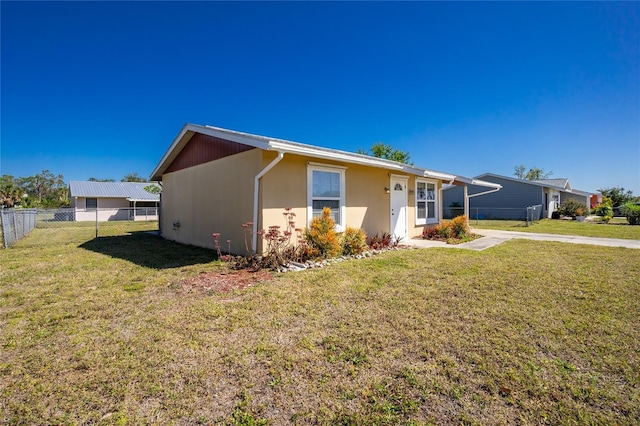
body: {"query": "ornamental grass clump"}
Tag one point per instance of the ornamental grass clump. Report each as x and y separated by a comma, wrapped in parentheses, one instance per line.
(321, 236)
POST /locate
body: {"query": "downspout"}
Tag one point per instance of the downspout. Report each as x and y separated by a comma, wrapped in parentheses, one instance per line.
(256, 192)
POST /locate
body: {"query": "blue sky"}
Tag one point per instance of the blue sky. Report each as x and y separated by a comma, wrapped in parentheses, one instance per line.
(100, 89)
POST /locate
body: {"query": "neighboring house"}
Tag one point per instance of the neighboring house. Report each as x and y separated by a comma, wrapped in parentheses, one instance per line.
(113, 201)
(215, 180)
(595, 199)
(515, 196)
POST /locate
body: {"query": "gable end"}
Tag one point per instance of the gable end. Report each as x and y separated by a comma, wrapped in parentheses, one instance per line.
(204, 148)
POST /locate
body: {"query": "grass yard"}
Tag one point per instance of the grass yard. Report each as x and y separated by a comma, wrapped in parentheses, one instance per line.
(617, 228)
(103, 332)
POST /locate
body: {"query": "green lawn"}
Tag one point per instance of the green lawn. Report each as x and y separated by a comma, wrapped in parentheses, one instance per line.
(617, 228)
(101, 332)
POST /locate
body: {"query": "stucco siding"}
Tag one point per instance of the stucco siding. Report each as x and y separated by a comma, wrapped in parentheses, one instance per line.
(367, 205)
(218, 197)
(212, 197)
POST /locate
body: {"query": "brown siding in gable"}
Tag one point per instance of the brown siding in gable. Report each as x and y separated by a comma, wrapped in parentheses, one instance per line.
(204, 148)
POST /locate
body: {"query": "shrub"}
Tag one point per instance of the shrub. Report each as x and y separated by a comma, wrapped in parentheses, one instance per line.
(321, 236)
(459, 227)
(353, 241)
(383, 242)
(603, 210)
(280, 250)
(430, 233)
(572, 208)
(632, 212)
(456, 208)
(456, 229)
(444, 231)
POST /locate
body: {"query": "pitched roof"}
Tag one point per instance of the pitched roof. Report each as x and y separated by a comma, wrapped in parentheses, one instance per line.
(132, 191)
(561, 184)
(285, 146)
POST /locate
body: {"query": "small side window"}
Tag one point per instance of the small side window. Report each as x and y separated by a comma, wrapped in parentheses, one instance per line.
(91, 203)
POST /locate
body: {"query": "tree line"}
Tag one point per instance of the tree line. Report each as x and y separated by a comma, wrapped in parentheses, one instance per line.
(44, 189)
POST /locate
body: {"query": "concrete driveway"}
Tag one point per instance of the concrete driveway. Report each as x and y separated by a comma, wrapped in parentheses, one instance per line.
(492, 237)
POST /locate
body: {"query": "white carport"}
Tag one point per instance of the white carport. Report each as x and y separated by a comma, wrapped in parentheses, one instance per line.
(465, 182)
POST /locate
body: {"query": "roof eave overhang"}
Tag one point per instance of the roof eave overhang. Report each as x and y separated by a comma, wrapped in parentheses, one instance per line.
(186, 134)
(268, 144)
(437, 175)
(461, 181)
(146, 200)
(332, 155)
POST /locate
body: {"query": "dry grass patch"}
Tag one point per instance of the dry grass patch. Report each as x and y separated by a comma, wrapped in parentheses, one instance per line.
(525, 332)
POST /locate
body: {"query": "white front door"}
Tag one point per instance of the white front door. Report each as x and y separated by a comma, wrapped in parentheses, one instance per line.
(398, 187)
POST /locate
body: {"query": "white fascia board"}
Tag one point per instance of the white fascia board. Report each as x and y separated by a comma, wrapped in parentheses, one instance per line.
(427, 173)
(485, 183)
(170, 150)
(230, 135)
(233, 136)
(438, 175)
(331, 155)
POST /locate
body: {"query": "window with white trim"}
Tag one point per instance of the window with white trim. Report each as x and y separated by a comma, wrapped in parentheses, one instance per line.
(426, 202)
(325, 188)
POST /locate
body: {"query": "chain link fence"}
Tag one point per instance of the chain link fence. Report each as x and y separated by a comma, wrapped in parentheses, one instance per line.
(528, 215)
(67, 225)
(16, 224)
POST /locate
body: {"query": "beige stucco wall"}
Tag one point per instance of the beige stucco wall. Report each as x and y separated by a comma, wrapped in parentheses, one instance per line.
(367, 204)
(211, 197)
(218, 197)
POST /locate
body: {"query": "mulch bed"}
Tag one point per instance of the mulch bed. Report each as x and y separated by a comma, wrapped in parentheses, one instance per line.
(225, 280)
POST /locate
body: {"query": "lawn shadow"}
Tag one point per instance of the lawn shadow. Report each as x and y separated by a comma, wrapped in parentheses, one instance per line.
(149, 250)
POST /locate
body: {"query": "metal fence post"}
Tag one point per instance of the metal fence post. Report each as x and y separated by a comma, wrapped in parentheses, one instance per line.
(15, 226)
(3, 221)
(96, 222)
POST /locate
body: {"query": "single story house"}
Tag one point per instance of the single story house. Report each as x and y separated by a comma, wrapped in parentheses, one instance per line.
(113, 201)
(215, 180)
(512, 200)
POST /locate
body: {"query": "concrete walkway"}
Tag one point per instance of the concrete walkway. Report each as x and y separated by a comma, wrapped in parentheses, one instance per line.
(493, 237)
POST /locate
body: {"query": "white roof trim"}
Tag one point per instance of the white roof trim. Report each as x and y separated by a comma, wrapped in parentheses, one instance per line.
(485, 183)
(281, 145)
(332, 155)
